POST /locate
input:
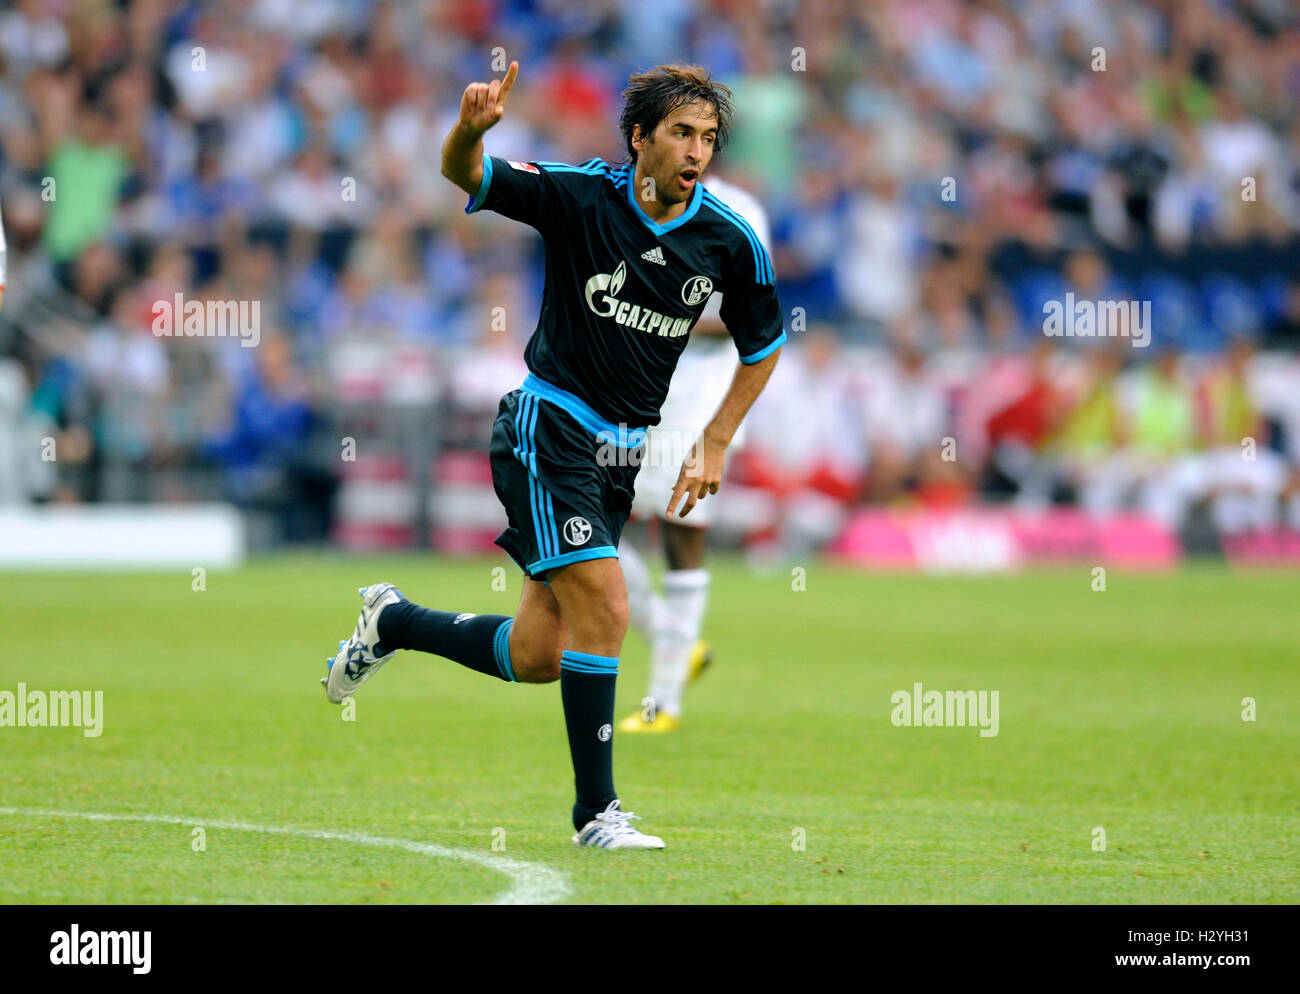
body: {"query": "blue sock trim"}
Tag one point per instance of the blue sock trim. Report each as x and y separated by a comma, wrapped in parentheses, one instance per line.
(590, 670)
(586, 662)
(501, 649)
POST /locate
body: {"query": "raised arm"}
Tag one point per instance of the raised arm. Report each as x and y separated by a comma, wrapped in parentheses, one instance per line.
(481, 106)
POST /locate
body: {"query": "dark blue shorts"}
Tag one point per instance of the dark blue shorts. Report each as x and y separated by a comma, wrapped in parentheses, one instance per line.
(565, 477)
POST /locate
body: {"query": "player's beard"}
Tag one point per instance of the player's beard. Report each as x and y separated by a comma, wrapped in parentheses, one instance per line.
(668, 190)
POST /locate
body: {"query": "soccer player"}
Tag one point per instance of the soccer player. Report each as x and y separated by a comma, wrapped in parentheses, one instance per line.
(672, 621)
(565, 444)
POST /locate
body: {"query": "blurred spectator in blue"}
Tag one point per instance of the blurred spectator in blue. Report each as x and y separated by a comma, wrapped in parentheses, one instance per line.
(267, 453)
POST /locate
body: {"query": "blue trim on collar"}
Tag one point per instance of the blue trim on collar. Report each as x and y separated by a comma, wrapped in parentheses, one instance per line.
(697, 196)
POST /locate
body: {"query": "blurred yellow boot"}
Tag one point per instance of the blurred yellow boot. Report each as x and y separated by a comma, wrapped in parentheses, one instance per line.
(701, 657)
(663, 722)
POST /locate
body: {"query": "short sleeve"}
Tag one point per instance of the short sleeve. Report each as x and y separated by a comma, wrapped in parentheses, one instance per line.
(540, 194)
(750, 307)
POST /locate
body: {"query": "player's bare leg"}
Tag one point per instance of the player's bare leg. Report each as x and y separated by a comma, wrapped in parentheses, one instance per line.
(538, 636)
(593, 599)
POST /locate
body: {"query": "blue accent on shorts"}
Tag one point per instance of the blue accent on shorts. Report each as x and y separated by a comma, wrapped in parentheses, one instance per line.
(577, 556)
(547, 472)
(541, 502)
(606, 431)
(525, 421)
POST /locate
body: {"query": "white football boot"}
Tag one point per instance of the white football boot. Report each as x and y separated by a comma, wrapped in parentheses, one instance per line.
(612, 829)
(356, 661)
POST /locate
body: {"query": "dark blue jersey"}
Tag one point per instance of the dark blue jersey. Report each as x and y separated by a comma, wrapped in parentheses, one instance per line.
(623, 292)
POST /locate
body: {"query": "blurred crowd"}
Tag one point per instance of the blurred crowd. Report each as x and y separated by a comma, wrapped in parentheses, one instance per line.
(1184, 439)
(934, 172)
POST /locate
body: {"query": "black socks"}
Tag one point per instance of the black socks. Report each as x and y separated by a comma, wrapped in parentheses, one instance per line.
(587, 689)
(479, 641)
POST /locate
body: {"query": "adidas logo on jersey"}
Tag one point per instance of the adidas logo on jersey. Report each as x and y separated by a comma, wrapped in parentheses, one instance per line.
(655, 255)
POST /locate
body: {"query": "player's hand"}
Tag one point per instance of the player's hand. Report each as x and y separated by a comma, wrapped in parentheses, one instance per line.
(483, 104)
(701, 475)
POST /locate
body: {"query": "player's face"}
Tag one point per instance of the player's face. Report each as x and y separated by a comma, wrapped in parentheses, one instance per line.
(679, 150)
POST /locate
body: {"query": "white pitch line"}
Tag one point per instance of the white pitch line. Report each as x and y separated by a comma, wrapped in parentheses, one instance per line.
(530, 883)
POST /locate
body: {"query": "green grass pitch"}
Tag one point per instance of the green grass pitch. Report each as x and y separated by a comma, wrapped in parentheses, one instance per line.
(1120, 710)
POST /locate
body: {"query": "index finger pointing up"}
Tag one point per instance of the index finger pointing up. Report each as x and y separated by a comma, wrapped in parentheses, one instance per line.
(508, 82)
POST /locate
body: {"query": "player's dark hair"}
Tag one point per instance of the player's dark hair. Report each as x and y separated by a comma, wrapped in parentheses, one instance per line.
(654, 94)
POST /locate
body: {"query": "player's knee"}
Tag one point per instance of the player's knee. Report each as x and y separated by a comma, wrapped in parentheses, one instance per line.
(604, 622)
(619, 615)
(540, 669)
(535, 656)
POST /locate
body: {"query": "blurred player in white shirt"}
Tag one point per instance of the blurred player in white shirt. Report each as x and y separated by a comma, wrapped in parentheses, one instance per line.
(671, 621)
